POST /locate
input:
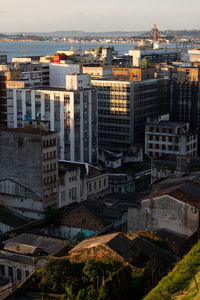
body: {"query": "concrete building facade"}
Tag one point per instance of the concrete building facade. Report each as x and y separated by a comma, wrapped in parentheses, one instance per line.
(155, 55)
(164, 137)
(123, 108)
(29, 170)
(58, 72)
(77, 181)
(135, 74)
(173, 211)
(72, 112)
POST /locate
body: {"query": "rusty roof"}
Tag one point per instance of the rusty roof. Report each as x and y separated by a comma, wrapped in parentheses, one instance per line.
(188, 193)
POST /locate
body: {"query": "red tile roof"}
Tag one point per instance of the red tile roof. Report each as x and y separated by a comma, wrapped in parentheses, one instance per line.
(179, 194)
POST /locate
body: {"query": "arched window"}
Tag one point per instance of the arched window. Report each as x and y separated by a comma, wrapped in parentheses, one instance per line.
(19, 275)
(27, 273)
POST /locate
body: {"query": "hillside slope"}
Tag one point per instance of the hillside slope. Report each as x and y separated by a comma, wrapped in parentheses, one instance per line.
(180, 283)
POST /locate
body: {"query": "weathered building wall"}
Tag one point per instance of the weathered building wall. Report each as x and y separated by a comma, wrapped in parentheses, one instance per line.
(18, 155)
(134, 74)
(97, 184)
(164, 212)
(82, 218)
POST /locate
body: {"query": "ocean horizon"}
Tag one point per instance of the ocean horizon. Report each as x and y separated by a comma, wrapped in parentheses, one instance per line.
(15, 49)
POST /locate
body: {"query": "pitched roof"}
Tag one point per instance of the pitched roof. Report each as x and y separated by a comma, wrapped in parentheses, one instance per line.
(22, 248)
(188, 193)
(85, 168)
(94, 241)
(117, 242)
(47, 244)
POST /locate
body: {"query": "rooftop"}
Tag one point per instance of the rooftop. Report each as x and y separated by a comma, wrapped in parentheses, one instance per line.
(28, 130)
(188, 193)
(167, 124)
(28, 242)
(131, 168)
(92, 171)
(119, 243)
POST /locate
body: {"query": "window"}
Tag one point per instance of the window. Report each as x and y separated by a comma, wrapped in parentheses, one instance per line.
(2, 270)
(104, 181)
(19, 275)
(99, 183)
(74, 193)
(63, 196)
(90, 187)
(10, 272)
(27, 273)
(95, 185)
(176, 139)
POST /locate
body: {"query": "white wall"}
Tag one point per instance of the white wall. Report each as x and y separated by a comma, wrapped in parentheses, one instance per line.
(77, 82)
(58, 72)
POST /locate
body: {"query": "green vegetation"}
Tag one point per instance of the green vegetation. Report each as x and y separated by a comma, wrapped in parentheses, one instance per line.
(184, 277)
(90, 280)
(17, 248)
(76, 280)
(144, 63)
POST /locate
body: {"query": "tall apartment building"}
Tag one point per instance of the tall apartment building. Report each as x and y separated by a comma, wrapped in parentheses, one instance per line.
(123, 108)
(185, 98)
(29, 170)
(164, 137)
(33, 74)
(72, 111)
(8, 80)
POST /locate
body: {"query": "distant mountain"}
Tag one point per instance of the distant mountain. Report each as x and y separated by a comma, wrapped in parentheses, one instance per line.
(83, 34)
(80, 34)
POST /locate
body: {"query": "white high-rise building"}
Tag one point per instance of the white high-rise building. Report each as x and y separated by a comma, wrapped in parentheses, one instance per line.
(72, 112)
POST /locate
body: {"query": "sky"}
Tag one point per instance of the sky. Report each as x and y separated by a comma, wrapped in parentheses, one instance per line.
(98, 15)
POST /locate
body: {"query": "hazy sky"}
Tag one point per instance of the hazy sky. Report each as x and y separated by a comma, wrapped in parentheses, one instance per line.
(98, 15)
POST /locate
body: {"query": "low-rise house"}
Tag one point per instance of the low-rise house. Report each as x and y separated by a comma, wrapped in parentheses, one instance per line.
(91, 217)
(173, 166)
(115, 246)
(22, 254)
(135, 249)
(176, 209)
(79, 180)
(123, 179)
(77, 219)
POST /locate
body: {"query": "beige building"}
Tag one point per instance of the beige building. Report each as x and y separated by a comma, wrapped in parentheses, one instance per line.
(77, 181)
(174, 210)
(183, 74)
(22, 255)
(96, 72)
(134, 74)
(164, 137)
